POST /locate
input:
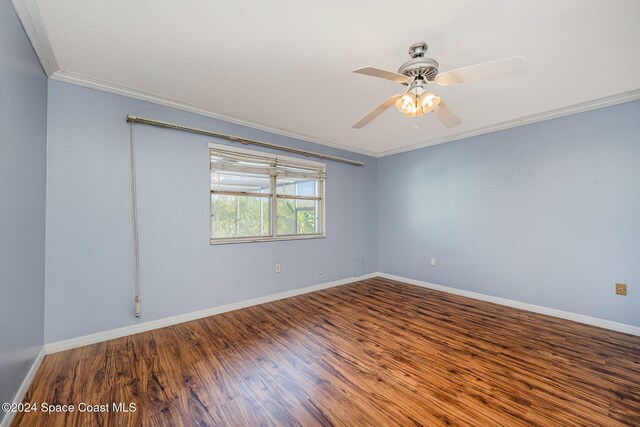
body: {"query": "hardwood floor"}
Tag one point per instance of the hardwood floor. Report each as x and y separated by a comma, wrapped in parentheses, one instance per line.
(375, 352)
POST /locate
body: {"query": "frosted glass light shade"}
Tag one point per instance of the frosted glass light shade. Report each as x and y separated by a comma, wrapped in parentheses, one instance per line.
(417, 102)
(407, 104)
(428, 101)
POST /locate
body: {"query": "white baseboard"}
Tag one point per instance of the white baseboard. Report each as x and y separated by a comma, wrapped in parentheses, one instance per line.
(594, 321)
(24, 387)
(181, 318)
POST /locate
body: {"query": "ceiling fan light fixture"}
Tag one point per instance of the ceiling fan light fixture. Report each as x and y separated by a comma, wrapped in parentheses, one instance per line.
(417, 102)
(408, 105)
(427, 101)
(415, 112)
(420, 71)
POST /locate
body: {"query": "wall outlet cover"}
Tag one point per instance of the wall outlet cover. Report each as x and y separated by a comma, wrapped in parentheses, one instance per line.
(621, 289)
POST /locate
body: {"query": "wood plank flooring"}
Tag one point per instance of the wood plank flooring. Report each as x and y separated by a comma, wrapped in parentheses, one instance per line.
(375, 352)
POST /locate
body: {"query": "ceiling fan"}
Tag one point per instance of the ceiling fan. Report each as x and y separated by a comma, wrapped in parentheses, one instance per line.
(416, 100)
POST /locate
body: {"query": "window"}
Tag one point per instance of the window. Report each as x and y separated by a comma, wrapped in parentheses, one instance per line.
(259, 196)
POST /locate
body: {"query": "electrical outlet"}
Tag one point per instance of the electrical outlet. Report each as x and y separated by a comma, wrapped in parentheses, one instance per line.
(621, 288)
(278, 268)
(433, 261)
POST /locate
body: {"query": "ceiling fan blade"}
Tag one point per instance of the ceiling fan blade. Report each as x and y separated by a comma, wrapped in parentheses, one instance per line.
(383, 74)
(508, 67)
(377, 111)
(446, 116)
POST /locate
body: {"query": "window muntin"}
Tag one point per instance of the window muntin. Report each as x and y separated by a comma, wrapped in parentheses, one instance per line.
(258, 196)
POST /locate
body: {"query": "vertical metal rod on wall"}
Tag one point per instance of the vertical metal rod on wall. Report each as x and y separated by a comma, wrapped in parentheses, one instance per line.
(134, 221)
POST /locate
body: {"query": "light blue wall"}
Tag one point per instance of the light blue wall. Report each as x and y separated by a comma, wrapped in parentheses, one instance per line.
(23, 117)
(547, 214)
(89, 249)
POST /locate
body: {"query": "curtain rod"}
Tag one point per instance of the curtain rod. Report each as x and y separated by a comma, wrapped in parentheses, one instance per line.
(145, 121)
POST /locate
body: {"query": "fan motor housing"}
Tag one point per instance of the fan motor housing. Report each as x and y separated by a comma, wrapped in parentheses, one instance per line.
(426, 67)
(419, 66)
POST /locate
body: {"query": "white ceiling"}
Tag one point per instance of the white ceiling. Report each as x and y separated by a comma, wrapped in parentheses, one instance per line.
(286, 65)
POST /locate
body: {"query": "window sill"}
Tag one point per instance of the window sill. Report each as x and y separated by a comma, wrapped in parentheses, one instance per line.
(264, 239)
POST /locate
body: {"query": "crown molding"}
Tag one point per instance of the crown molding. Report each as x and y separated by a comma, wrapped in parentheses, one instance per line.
(29, 15)
(80, 80)
(607, 101)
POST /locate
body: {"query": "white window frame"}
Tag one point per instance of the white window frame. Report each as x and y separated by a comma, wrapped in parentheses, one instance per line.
(273, 199)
